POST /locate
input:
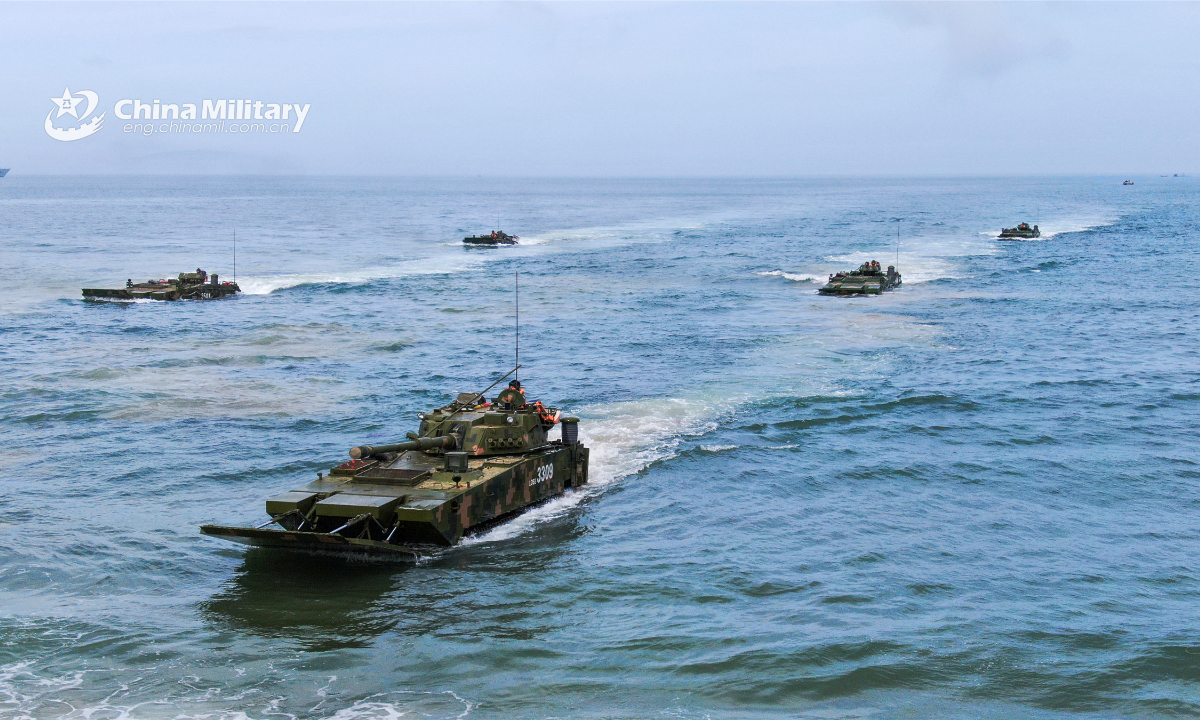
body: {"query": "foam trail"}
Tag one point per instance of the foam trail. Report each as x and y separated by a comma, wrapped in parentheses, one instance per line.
(913, 268)
(584, 238)
(265, 285)
(623, 439)
(1064, 225)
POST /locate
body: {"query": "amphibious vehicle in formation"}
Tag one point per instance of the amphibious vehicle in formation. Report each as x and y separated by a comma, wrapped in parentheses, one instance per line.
(868, 279)
(1020, 232)
(471, 464)
(188, 286)
(497, 237)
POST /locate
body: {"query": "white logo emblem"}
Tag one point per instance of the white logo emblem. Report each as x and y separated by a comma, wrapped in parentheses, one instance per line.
(68, 104)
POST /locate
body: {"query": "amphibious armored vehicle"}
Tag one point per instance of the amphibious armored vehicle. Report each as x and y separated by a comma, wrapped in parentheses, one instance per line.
(188, 286)
(497, 237)
(471, 464)
(868, 279)
(1020, 232)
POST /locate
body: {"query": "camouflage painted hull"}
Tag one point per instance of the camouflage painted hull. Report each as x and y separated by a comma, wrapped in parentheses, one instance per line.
(498, 237)
(208, 292)
(189, 286)
(376, 507)
(489, 241)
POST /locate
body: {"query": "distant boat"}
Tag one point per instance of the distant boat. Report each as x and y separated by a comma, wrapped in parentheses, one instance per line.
(1020, 232)
(3, 172)
(498, 237)
(1127, 182)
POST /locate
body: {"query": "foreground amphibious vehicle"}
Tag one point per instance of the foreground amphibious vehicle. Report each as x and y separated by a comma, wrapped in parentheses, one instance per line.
(470, 465)
(868, 279)
(188, 286)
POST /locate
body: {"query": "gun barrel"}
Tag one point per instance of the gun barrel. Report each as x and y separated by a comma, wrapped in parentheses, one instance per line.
(425, 443)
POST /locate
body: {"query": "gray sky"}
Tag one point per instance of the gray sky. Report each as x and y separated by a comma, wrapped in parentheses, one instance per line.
(626, 89)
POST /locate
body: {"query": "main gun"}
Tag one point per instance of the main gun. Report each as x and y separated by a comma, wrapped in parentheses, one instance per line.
(425, 443)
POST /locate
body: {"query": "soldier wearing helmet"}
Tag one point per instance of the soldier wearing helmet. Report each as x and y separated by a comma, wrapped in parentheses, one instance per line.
(513, 395)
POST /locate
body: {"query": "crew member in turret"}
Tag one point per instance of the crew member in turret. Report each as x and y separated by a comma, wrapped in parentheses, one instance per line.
(513, 395)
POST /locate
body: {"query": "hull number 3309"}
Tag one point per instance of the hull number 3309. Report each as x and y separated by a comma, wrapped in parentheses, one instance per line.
(544, 473)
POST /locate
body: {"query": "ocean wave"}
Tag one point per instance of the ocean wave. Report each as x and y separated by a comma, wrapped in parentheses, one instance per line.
(26, 693)
(123, 301)
(794, 277)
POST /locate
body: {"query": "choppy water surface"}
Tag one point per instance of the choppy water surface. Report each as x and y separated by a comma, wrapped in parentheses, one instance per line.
(974, 497)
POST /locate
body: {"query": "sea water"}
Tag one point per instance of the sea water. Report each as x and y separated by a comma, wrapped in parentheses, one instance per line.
(976, 496)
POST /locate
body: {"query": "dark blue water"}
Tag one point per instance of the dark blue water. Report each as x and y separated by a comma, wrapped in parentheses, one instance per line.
(974, 497)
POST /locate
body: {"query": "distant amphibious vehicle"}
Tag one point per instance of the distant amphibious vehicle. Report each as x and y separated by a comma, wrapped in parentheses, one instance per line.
(471, 464)
(1020, 232)
(868, 279)
(188, 286)
(497, 237)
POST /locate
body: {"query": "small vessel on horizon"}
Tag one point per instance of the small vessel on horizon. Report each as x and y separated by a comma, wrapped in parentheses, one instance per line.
(1127, 182)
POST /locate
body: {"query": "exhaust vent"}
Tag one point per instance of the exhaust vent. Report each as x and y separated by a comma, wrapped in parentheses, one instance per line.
(570, 430)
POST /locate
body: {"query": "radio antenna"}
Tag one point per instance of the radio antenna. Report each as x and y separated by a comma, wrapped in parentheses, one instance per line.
(517, 325)
(897, 243)
(235, 256)
(480, 395)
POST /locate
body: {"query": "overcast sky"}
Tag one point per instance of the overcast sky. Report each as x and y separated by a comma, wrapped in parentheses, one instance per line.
(619, 89)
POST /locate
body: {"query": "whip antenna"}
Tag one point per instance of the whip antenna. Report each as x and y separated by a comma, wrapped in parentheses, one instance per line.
(517, 325)
(235, 256)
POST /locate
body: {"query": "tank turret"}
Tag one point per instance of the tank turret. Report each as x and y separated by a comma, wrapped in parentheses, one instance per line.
(470, 464)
